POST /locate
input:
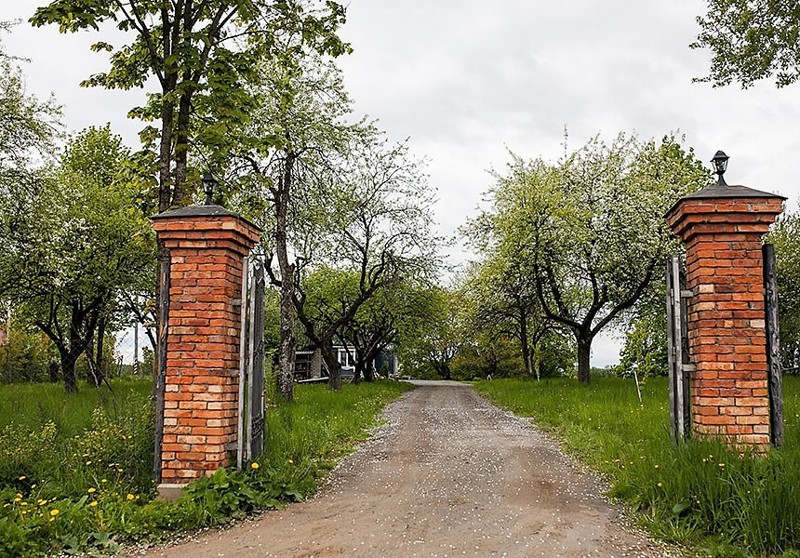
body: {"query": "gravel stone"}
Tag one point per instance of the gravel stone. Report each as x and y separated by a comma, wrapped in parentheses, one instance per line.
(448, 474)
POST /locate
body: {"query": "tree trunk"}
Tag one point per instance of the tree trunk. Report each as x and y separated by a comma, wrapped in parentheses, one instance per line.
(333, 364)
(180, 193)
(523, 342)
(68, 372)
(95, 358)
(286, 356)
(165, 155)
(53, 370)
(584, 355)
(358, 371)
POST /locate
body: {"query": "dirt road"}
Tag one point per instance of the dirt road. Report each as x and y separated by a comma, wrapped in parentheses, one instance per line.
(449, 475)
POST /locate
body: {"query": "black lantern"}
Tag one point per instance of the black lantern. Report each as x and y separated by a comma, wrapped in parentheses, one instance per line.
(208, 185)
(720, 161)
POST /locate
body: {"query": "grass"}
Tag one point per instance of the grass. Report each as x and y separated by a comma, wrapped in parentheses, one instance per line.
(699, 493)
(33, 405)
(75, 471)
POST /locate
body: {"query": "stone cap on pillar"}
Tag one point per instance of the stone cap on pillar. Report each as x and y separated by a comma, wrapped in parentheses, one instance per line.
(205, 226)
(720, 208)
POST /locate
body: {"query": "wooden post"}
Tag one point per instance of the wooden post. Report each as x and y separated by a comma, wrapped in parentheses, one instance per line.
(775, 386)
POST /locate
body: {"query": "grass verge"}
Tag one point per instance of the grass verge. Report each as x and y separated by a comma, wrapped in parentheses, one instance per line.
(698, 493)
(75, 471)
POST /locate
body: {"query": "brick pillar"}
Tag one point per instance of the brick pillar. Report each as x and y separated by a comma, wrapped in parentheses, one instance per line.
(721, 227)
(206, 246)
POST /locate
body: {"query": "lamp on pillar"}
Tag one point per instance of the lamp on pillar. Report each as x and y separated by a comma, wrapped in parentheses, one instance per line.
(720, 161)
(209, 182)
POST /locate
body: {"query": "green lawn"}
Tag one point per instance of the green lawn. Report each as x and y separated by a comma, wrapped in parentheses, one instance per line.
(699, 494)
(76, 471)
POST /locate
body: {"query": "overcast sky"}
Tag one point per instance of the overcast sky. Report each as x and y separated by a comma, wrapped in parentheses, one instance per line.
(467, 80)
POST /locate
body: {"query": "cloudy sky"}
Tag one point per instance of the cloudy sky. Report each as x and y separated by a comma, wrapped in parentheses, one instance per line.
(468, 80)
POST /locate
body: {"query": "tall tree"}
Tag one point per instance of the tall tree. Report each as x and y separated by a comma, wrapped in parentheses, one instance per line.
(91, 243)
(590, 229)
(380, 204)
(298, 130)
(751, 40)
(29, 129)
(435, 345)
(201, 54)
(502, 298)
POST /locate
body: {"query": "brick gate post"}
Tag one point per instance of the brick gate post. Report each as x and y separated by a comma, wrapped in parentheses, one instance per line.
(206, 245)
(721, 227)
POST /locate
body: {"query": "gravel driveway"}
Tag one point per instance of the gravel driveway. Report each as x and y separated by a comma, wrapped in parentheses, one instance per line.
(449, 475)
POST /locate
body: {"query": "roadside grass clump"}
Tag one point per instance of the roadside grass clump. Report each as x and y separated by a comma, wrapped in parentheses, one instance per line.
(699, 493)
(77, 477)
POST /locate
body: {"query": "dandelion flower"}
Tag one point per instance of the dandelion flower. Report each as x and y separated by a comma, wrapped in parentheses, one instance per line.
(92, 490)
(291, 462)
(656, 466)
(23, 477)
(660, 485)
(130, 496)
(103, 480)
(88, 462)
(53, 513)
(93, 503)
(255, 465)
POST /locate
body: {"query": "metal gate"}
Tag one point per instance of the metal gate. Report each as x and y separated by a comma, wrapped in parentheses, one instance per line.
(678, 350)
(774, 371)
(251, 363)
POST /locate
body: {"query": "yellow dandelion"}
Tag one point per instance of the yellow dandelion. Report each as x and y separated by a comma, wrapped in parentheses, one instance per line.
(23, 477)
(656, 466)
(92, 490)
(103, 480)
(291, 462)
(88, 462)
(17, 499)
(53, 513)
(660, 485)
(52, 519)
(41, 502)
(255, 465)
(130, 496)
(93, 503)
